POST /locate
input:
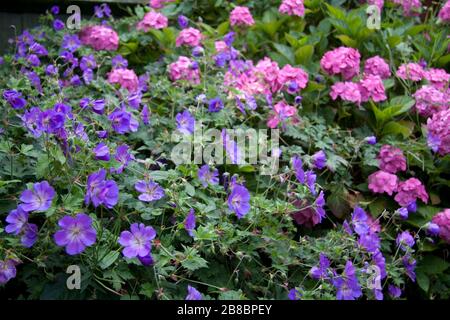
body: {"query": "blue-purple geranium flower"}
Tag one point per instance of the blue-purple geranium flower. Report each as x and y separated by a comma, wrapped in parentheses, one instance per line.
(101, 152)
(150, 190)
(189, 222)
(76, 233)
(137, 241)
(39, 198)
(101, 191)
(193, 294)
(208, 176)
(185, 122)
(7, 270)
(347, 284)
(239, 200)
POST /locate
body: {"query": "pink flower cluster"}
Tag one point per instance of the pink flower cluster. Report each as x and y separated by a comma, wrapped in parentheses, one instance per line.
(410, 7)
(283, 111)
(411, 71)
(220, 46)
(370, 87)
(182, 70)
(343, 60)
(125, 77)
(444, 13)
(292, 8)
(158, 4)
(442, 219)
(307, 216)
(378, 3)
(391, 159)
(190, 37)
(100, 38)
(376, 66)
(266, 77)
(438, 127)
(409, 191)
(437, 77)
(381, 181)
(430, 100)
(153, 20)
(241, 16)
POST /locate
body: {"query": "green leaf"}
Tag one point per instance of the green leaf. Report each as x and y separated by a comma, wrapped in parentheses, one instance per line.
(109, 259)
(423, 281)
(189, 189)
(397, 128)
(346, 40)
(286, 52)
(432, 265)
(304, 54)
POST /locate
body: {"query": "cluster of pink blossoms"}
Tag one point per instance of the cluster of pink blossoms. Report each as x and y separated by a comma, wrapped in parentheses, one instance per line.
(442, 219)
(376, 66)
(158, 4)
(411, 71)
(266, 78)
(370, 87)
(439, 132)
(241, 16)
(190, 37)
(410, 7)
(444, 13)
(391, 160)
(100, 38)
(153, 20)
(430, 100)
(342, 60)
(292, 8)
(182, 69)
(125, 77)
(378, 3)
(283, 111)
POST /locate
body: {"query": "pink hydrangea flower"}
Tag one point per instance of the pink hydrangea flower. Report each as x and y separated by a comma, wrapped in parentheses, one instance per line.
(437, 77)
(100, 38)
(444, 13)
(125, 77)
(220, 46)
(410, 7)
(290, 74)
(153, 20)
(182, 70)
(347, 91)
(372, 87)
(391, 159)
(409, 191)
(376, 66)
(382, 181)
(158, 4)
(430, 100)
(269, 70)
(343, 60)
(190, 37)
(442, 219)
(292, 8)
(283, 111)
(241, 16)
(411, 71)
(438, 127)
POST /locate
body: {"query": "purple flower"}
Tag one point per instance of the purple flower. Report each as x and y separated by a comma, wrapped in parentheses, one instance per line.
(122, 121)
(52, 120)
(101, 152)
(394, 292)
(297, 164)
(319, 159)
(360, 221)
(193, 294)
(432, 229)
(215, 105)
(137, 241)
(319, 204)
(379, 260)
(369, 241)
(403, 213)
(70, 42)
(197, 51)
(320, 271)
(433, 142)
(17, 220)
(231, 148)
(119, 62)
(7, 270)
(33, 60)
(410, 264)
(54, 10)
(102, 134)
(183, 22)
(76, 233)
(412, 207)
(371, 140)
(58, 25)
(14, 98)
(38, 49)
(134, 100)
(229, 38)
(347, 284)
(311, 177)
(51, 70)
(145, 114)
(100, 191)
(294, 294)
(239, 200)
(30, 235)
(32, 120)
(39, 198)
(298, 99)
(206, 176)
(97, 106)
(189, 223)
(150, 191)
(147, 260)
(185, 122)
(88, 62)
(405, 240)
(123, 157)
(102, 10)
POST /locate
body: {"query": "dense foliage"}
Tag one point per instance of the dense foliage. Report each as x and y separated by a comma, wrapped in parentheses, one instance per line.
(358, 208)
